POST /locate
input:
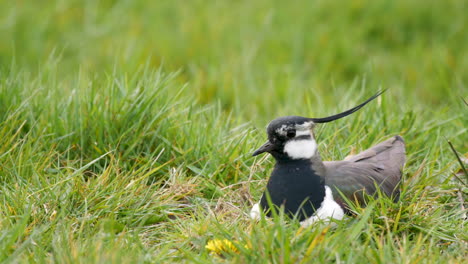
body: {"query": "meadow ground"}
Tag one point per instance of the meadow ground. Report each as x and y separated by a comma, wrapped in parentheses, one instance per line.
(127, 127)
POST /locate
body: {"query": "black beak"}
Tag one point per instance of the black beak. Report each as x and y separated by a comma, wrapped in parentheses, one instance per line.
(345, 113)
(267, 147)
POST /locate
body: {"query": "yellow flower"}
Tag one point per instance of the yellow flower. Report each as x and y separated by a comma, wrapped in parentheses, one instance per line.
(220, 246)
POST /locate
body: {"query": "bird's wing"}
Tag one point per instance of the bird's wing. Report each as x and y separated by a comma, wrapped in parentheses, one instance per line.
(379, 165)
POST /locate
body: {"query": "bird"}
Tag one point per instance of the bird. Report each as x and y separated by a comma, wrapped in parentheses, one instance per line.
(310, 189)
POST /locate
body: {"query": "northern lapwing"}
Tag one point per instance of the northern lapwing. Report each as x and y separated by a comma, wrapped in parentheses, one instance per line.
(311, 189)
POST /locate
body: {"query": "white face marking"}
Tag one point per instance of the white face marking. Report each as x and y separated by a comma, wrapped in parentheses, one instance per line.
(282, 130)
(303, 133)
(305, 126)
(255, 212)
(300, 149)
(329, 209)
(301, 128)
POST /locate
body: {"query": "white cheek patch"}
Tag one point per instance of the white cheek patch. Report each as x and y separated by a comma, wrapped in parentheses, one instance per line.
(300, 149)
(329, 209)
(303, 133)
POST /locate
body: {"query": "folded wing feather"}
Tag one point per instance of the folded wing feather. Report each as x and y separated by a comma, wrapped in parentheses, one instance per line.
(379, 165)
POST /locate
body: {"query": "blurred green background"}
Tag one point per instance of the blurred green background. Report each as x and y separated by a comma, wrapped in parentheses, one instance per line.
(256, 57)
(126, 127)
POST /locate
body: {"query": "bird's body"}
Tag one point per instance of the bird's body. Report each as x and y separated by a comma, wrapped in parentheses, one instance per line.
(310, 189)
(296, 186)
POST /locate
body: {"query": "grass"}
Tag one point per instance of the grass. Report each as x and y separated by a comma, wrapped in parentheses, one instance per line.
(126, 127)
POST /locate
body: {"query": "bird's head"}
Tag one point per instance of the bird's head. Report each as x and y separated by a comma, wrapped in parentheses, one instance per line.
(292, 137)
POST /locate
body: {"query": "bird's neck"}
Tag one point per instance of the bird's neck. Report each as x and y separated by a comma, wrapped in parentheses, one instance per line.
(315, 162)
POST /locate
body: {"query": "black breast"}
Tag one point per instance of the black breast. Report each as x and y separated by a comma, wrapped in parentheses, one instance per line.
(296, 186)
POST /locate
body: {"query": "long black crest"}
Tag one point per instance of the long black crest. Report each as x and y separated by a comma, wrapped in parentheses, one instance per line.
(347, 112)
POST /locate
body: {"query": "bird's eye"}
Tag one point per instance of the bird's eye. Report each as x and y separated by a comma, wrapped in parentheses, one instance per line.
(291, 133)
